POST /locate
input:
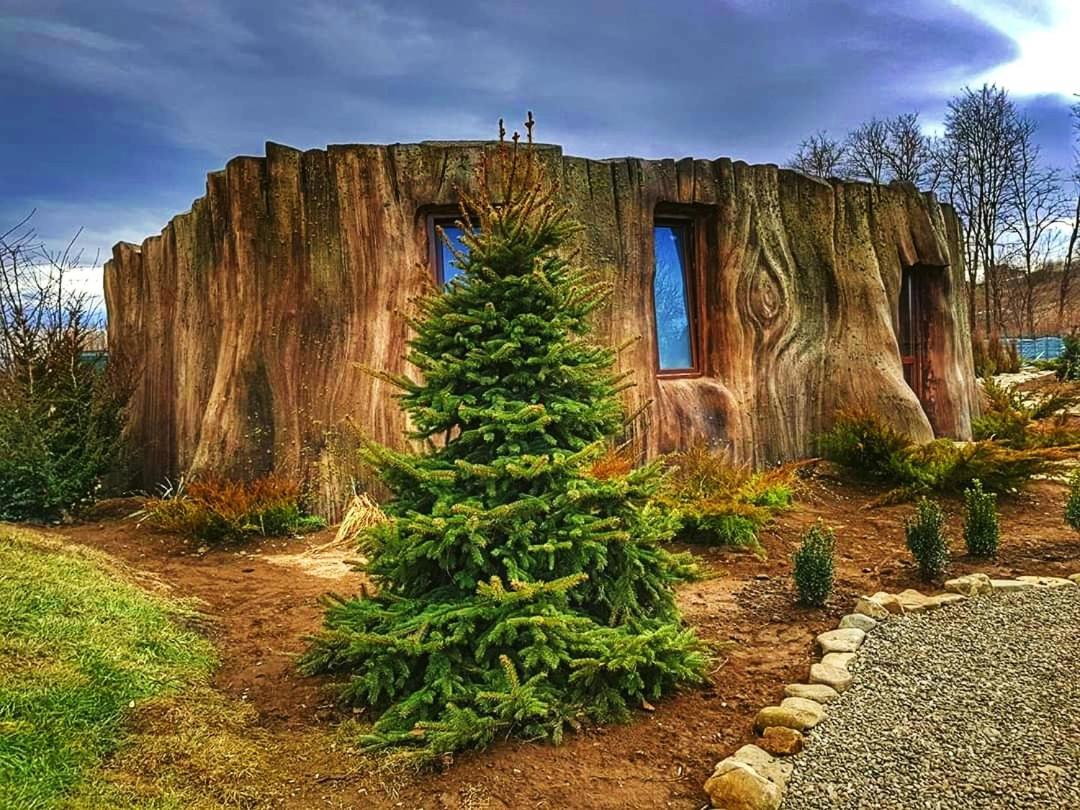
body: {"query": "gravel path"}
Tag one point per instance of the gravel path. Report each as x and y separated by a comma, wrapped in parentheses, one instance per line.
(971, 706)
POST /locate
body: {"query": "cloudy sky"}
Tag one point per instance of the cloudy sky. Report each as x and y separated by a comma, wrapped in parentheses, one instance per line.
(114, 110)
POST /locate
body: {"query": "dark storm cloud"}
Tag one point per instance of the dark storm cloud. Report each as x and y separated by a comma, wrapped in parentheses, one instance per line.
(126, 105)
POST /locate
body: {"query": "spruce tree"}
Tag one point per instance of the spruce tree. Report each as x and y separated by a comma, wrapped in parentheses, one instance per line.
(517, 593)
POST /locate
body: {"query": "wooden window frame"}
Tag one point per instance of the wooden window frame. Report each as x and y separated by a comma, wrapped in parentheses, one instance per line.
(691, 261)
(436, 246)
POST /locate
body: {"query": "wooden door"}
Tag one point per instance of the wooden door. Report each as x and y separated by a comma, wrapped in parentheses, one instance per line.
(912, 349)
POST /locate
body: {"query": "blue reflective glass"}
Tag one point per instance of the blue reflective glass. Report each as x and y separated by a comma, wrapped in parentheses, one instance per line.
(447, 269)
(670, 299)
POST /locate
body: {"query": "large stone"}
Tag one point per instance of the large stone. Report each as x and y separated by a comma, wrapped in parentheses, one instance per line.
(1010, 585)
(781, 741)
(805, 705)
(775, 770)
(843, 641)
(838, 660)
(859, 621)
(969, 585)
(818, 692)
(890, 602)
(784, 716)
(913, 601)
(943, 599)
(838, 679)
(1048, 582)
(868, 606)
(736, 786)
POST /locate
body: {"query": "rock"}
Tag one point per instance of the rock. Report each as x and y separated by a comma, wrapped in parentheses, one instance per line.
(838, 679)
(859, 621)
(846, 640)
(784, 716)
(969, 585)
(1010, 585)
(889, 601)
(868, 606)
(1048, 582)
(805, 705)
(943, 599)
(838, 660)
(781, 741)
(1075, 578)
(764, 764)
(913, 601)
(818, 692)
(736, 786)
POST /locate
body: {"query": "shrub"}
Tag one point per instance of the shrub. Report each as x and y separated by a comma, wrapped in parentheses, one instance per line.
(721, 503)
(61, 409)
(871, 450)
(1068, 363)
(1020, 422)
(926, 540)
(518, 594)
(981, 531)
(218, 510)
(1072, 505)
(814, 566)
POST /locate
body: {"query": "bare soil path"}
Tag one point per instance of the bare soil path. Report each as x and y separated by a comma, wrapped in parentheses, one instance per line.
(263, 599)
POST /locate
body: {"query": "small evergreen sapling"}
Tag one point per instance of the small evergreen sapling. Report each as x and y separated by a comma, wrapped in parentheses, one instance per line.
(518, 592)
(981, 532)
(926, 540)
(814, 565)
(1072, 505)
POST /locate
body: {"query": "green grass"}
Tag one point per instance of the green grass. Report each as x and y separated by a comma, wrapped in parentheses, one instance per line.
(82, 649)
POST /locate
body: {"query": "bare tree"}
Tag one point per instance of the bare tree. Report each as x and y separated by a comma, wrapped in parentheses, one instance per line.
(982, 138)
(1074, 233)
(865, 152)
(41, 316)
(1035, 205)
(909, 152)
(819, 156)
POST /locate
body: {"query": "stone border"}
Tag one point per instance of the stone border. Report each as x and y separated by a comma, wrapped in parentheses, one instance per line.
(755, 776)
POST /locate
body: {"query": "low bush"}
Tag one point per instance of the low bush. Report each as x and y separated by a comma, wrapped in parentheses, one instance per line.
(1072, 505)
(1019, 421)
(981, 532)
(1068, 363)
(721, 503)
(220, 510)
(814, 566)
(926, 540)
(871, 450)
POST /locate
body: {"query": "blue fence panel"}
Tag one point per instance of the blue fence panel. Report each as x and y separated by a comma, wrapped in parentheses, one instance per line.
(1043, 348)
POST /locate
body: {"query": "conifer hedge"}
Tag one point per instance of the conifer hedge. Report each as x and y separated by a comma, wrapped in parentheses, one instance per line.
(517, 594)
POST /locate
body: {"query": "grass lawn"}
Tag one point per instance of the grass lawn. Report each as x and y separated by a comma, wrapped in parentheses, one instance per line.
(82, 651)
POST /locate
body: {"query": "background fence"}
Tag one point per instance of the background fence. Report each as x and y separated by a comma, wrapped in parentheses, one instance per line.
(1042, 348)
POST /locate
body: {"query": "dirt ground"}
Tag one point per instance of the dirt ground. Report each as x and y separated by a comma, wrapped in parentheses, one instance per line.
(263, 600)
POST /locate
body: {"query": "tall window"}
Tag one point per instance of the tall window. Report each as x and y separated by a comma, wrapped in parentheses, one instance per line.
(672, 297)
(445, 269)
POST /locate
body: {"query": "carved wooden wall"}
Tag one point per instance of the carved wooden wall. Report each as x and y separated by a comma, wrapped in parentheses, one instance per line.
(249, 313)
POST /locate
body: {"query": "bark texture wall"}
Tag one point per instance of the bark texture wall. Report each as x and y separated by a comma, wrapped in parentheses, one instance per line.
(250, 313)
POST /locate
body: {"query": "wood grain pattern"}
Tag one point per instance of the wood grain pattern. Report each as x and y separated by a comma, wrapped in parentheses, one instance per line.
(250, 313)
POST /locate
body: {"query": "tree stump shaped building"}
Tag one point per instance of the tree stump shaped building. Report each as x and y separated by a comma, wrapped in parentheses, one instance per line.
(763, 302)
